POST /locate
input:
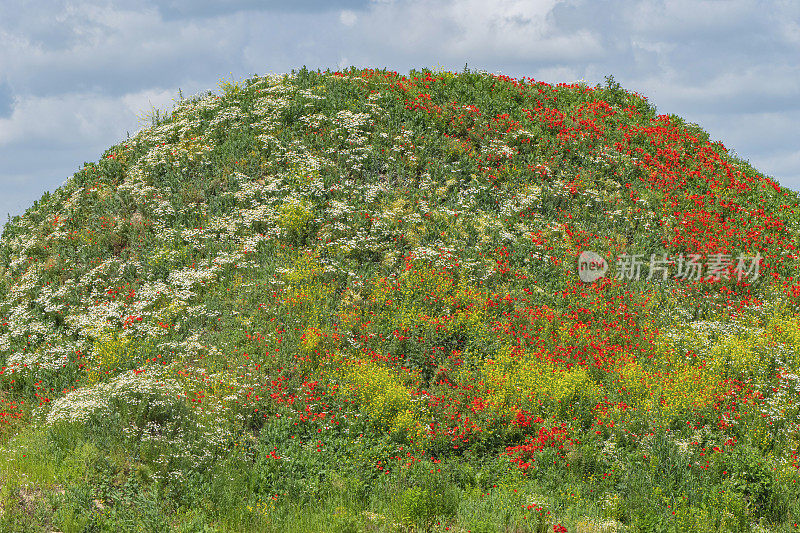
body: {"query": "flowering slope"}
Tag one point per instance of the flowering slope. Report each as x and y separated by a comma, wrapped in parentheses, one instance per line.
(378, 270)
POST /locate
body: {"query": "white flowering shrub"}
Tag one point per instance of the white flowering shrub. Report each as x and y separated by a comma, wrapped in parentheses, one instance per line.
(147, 393)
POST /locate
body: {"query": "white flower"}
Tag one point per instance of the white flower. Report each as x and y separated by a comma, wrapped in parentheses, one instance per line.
(129, 387)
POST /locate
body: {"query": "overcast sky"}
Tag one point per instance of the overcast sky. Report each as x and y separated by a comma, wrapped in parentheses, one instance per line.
(76, 77)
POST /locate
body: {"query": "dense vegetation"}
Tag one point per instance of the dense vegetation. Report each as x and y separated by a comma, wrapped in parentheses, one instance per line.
(348, 301)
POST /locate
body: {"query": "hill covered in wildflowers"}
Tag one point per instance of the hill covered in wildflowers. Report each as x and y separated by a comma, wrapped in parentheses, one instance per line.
(358, 301)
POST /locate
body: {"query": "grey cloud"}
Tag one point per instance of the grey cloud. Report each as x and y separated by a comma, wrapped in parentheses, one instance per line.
(192, 9)
(123, 51)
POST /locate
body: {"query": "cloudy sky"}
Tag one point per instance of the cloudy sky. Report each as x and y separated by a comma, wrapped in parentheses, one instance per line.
(77, 77)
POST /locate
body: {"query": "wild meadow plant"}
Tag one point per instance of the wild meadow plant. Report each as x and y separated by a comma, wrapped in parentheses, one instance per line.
(348, 301)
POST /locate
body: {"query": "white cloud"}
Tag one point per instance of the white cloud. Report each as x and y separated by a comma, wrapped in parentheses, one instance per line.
(75, 119)
(348, 18)
(746, 89)
(505, 30)
(557, 75)
(790, 31)
(142, 103)
(60, 119)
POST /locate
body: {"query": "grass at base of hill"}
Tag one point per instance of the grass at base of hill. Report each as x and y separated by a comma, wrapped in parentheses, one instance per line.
(72, 480)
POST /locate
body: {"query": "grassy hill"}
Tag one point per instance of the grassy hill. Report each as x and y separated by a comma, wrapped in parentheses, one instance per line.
(349, 301)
